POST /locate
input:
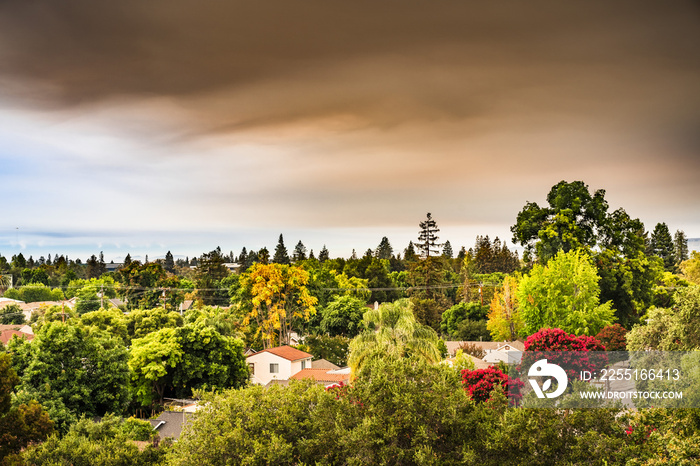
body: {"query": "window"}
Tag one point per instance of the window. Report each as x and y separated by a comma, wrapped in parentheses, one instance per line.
(251, 368)
(274, 368)
(303, 364)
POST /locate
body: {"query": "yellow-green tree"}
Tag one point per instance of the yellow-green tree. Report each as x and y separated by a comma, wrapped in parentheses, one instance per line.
(280, 298)
(505, 321)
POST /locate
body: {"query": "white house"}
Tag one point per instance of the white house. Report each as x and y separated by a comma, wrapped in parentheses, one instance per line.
(279, 363)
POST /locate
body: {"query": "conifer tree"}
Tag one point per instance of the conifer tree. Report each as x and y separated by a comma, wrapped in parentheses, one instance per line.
(323, 255)
(169, 263)
(447, 250)
(384, 250)
(281, 255)
(680, 246)
(662, 245)
(409, 254)
(243, 257)
(427, 238)
(299, 252)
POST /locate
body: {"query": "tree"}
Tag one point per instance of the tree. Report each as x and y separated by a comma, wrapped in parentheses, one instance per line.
(141, 322)
(506, 321)
(343, 316)
(208, 275)
(427, 238)
(151, 361)
(280, 298)
(384, 250)
(299, 252)
(409, 254)
(680, 246)
(458, 313)
(481, 383)
(22, 425)
(11, 314)
(662, 245)
(323, 255)
(573, 219)
(447, 250)
(613, 337)
(691, 268)
(281, 256)
(85, 370)
(555, 345)
(392, 331)
(95, 267)
(564, 294)
(169, 262)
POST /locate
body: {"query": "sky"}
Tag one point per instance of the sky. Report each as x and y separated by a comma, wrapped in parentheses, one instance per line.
(142, 127)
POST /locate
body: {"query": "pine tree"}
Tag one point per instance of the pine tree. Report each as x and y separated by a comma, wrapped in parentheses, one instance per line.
(384, 250)
(169, 263)
(127, 260)
(264, 256)
(323, 255)
(409, 254)
(427, 238)
(447, 250)
(462, 254)
(281, 255)
(680, 246)
(299, 252)
(662, 245)
(243, 257)
(311, 255)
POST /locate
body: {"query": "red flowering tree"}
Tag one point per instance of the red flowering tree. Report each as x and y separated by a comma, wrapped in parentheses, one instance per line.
(613, 337)
(480, 383)
(569, 351)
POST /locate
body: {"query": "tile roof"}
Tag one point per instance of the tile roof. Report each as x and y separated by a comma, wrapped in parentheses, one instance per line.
(286, 352)
(320, 375)
(6, 336)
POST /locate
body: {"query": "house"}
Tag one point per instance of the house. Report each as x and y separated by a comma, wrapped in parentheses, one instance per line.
(324, 376)
(510, 352)
(21, 331)
(478, 363)
(279, 363)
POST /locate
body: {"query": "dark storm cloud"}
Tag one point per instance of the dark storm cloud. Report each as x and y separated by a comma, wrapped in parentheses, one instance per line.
(241, 64)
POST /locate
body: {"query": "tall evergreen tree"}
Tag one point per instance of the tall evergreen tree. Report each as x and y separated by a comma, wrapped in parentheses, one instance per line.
(427, 238)
(662, 245)
(281, 255)
(462, 253)
(447, 250)
(169, 263)
(299, 252)
(243, 257)
(680, 246)
(323, 255)
(409, 254)
(384, 250)
(127, 260)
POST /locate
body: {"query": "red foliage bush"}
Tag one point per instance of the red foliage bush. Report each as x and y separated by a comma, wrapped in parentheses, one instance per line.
(613, 337)
(568, 351)
(480, 383)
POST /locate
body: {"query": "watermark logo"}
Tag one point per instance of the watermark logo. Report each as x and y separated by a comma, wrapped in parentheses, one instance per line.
(544, 369)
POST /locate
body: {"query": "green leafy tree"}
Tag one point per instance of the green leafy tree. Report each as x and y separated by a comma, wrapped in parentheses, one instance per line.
(152, 360)
(564, 294)
(343, 316)
(691, 268)
(506, 321)
(208, 275)
(453, 316)
(573, 219)
(85, 370)
(11, 314)
(331, 348)
(141, 322)
(21, 425)
(392, 330)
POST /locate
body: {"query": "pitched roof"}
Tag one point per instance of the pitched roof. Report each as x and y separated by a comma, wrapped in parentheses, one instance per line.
(323, 364)
(286, 352)
(170, 423)
(6, 336)
(320, 375)
(453, 346)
